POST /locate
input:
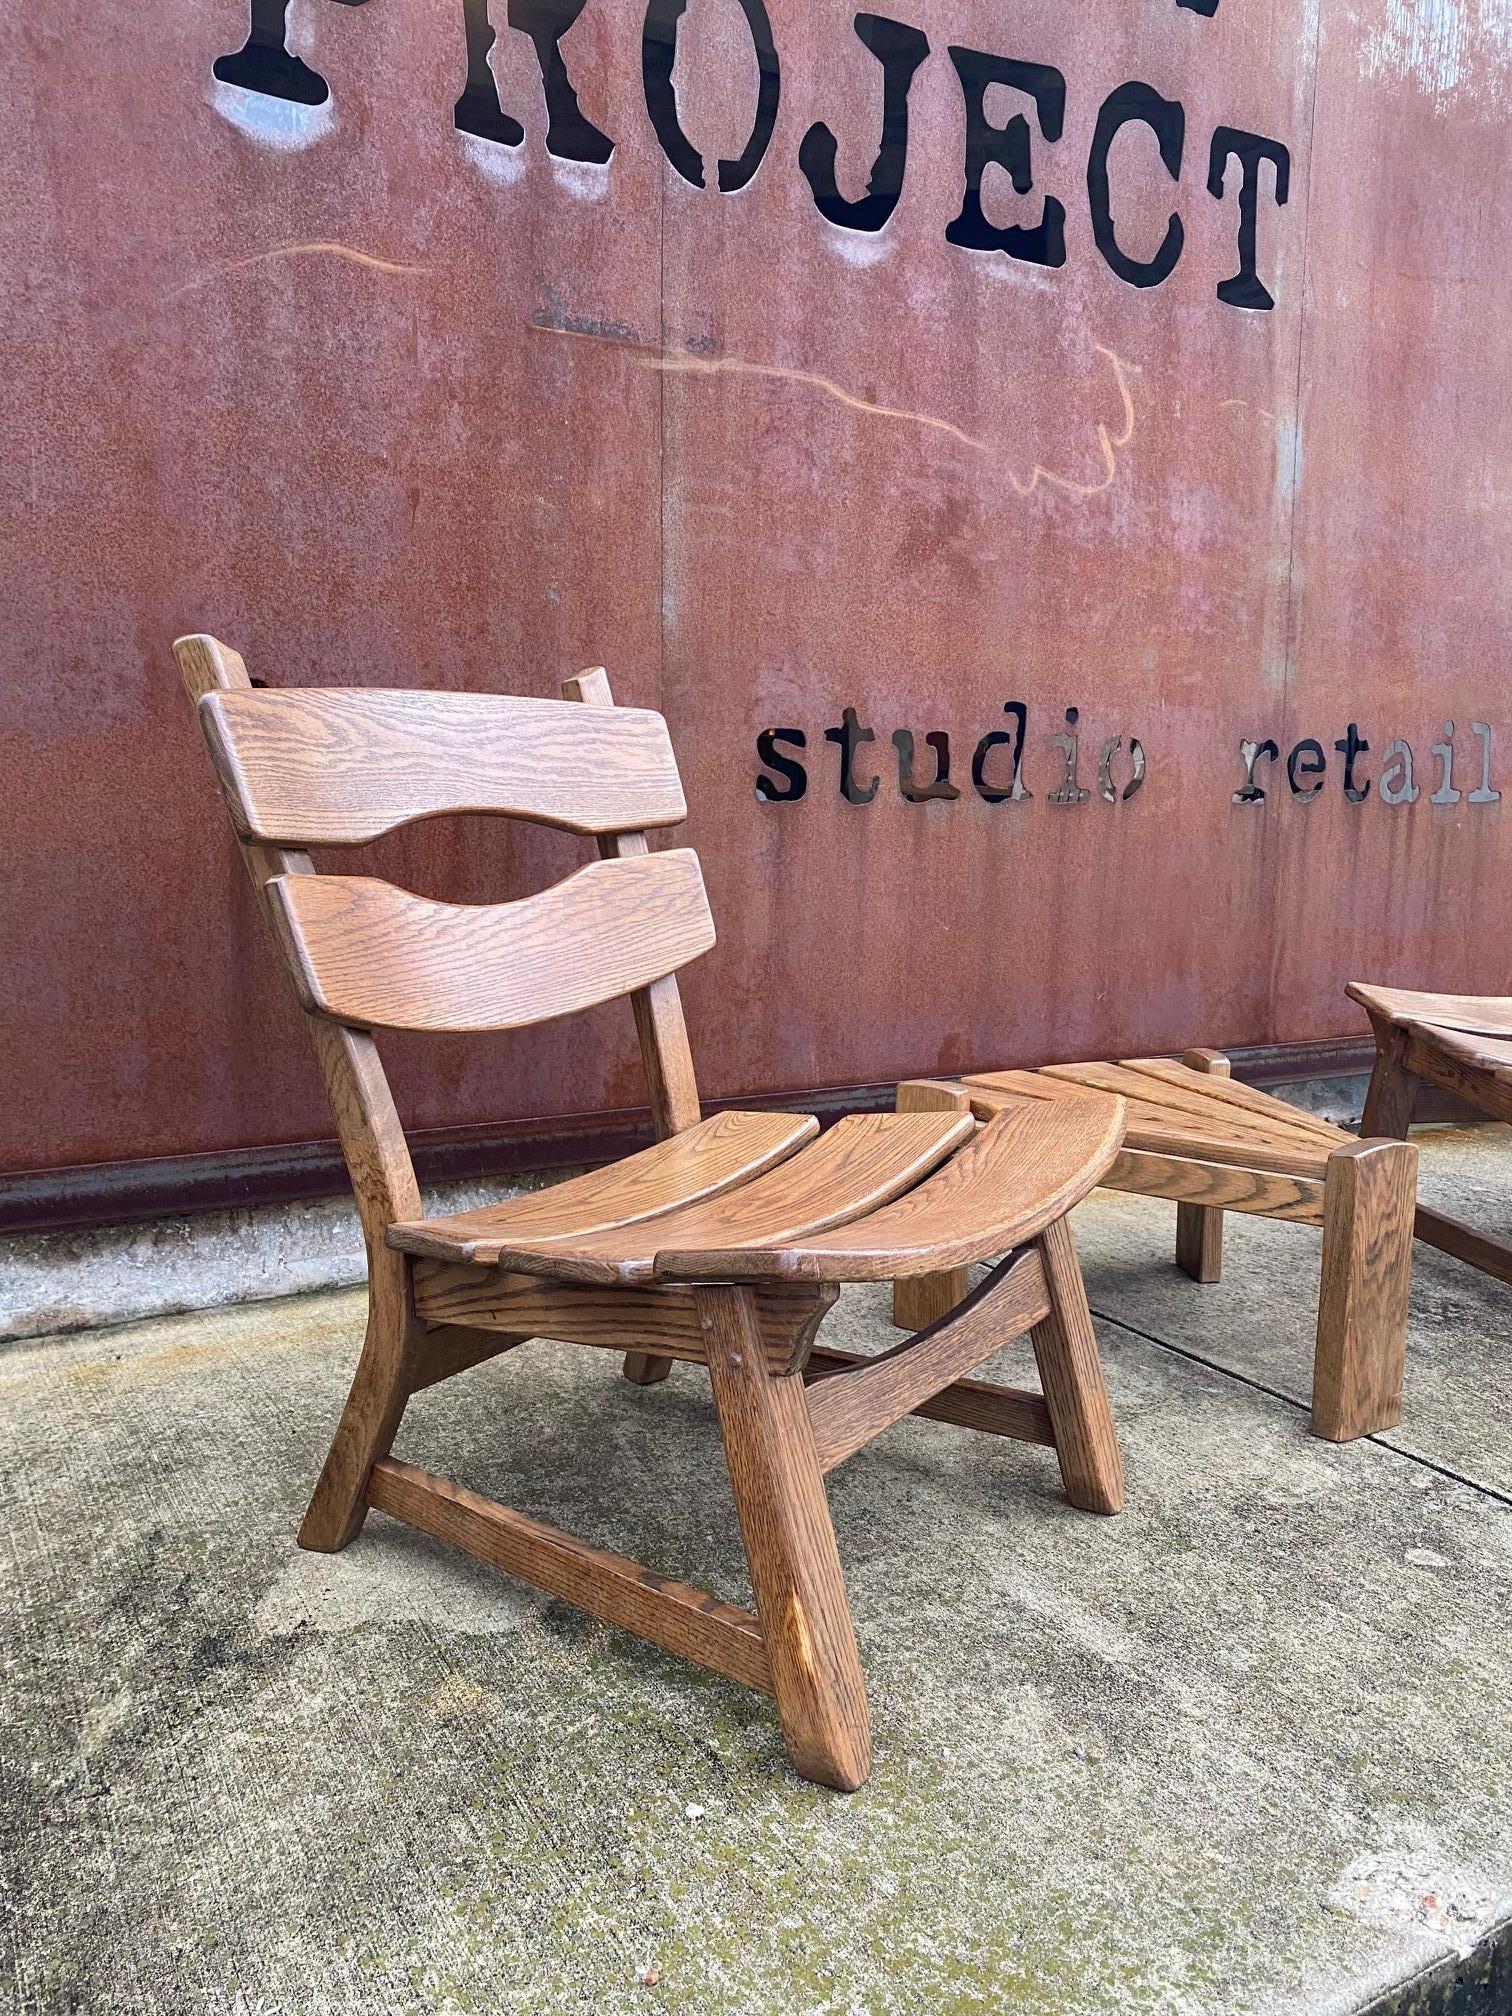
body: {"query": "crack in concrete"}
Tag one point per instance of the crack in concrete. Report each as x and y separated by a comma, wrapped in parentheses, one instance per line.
(1302, 1406)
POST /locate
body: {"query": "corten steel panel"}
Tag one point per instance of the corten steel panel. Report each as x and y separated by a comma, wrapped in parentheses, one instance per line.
(395, 405)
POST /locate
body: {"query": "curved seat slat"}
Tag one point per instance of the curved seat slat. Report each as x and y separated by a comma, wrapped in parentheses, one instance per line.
(1474, 1014)
(367, 953)
(330, 767)
(863, 1161)
(701, 1162)
(1023, 1171)
(1479, 1053)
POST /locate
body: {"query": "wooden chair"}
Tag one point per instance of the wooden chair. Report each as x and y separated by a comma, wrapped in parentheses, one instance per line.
(722, 1244)
(1462, 1043)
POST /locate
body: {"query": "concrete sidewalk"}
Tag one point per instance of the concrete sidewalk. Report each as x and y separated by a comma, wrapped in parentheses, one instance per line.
(1247, 1748)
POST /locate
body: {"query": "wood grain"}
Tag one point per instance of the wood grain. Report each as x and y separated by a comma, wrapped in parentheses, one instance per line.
(1423, 1036)
(383, 1183)
(1476, 1014)
(1023, 1170)
(364, 952)
(1071, 1377)
(968, 1403)
(1392, 1092)
(850, 1409)
(790, 1545)
(1221, 1090)
(671, 1614)
(1477, 1069)
(1218, 1185)
(447, 1349)
(660, 1027)
(1367, 1269)
(1213, 1131)
(332, 767)
(1463, 1242)
(921, 1299)
(654, 1318)
(861, 1162)
(703, 1161)
(1199, 1227)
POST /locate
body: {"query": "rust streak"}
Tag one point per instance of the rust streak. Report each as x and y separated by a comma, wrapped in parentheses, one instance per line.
(316, 249)
(653, 359)
(1107, 442)
(712, 366)
(1263, 412)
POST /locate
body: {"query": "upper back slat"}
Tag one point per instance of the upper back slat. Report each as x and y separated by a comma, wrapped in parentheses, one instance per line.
(365, 952)
(331, 767)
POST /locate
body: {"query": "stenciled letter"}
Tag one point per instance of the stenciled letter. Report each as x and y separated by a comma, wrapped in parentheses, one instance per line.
(941, 787)
(1041, 244)
(1447, 793)
(265, 63)
(900, 50)
(996, 740)
(1315, 766)
(1350, 746)
(1483, 794)
(1397, 786)
(1070, 790)
(1246, 289)
(658, 56)
(1249, 792)
(848, 737)
(569, 136)
(1167, 121)
(791, 772)
(478, 110)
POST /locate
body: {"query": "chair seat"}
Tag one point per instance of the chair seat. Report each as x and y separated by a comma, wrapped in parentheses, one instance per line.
(1176, 1111)
(699, 1163)
(1473, 1014)
(877, 1196)
(1462, 1042)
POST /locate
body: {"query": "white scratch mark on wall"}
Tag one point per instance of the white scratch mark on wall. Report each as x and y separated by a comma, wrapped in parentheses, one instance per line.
(1448, 47)
(858, 248)
(504, 165)
(588, 179)
(274, 122)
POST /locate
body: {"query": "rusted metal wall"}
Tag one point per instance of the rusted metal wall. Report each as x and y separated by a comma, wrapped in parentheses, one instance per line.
(381, 401)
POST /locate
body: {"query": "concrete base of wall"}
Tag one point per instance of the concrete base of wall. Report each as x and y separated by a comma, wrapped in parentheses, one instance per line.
(80, 1280)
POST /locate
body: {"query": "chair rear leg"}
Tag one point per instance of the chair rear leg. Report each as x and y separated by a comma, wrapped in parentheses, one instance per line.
(1071, 1376)
(790, 1545)
(646, 1368)
(1199, 1228)
(374, 1408)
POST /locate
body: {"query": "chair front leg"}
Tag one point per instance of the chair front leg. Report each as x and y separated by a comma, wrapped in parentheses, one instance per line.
(381, 1387)
(790, 1545)
(1071, 1377)
(1369, 1194)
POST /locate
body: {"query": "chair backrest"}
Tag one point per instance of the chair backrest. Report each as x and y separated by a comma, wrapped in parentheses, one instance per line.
(331, 768)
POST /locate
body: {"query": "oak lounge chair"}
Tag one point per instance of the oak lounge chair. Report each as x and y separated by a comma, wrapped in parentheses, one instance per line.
(1461, 1042)
(722, 1244)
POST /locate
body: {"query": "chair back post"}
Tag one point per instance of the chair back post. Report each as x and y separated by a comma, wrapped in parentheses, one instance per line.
(665, 1051)
(367, 1121)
